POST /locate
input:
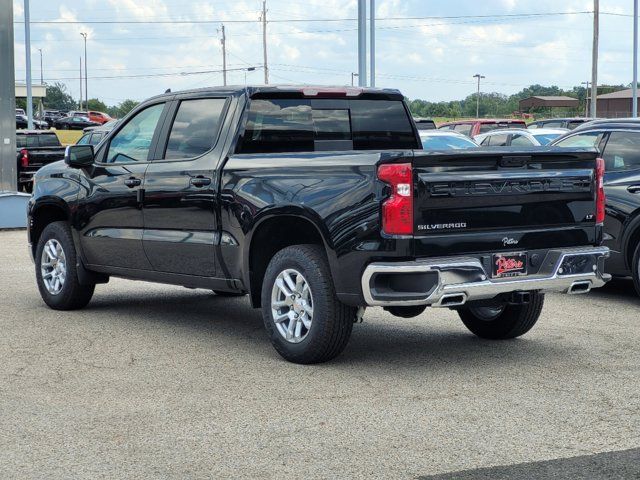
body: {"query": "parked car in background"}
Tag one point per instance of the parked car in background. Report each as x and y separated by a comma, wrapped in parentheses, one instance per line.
(50, 116)
(316, 203)
(619, 144)
(74, 123)
(104, 127)
(99, 117)
(424, 123)
(35, 149)
(23, 122)
(445, 140)
(471, 128)
(569, 123)
(20, 111)
(520, 137)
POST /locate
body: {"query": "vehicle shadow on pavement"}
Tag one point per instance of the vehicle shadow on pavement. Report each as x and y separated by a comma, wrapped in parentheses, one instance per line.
(618, 290)
(373, 343)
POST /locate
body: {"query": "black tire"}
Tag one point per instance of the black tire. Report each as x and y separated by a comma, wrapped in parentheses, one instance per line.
(511, 322)
(331, 322)
(635, 269)
(222, 293)
(72, 295)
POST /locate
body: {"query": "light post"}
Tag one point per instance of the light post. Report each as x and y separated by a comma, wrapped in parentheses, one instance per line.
(250, 69)
(478, 76)
(86, 91)
(41, 73)
(634, 108)
(586, 100)
(352, 77)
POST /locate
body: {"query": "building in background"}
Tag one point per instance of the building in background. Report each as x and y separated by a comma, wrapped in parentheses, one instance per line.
(615, 105)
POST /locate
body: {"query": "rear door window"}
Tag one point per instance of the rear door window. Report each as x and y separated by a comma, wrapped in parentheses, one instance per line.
(520, 140)
(195, 128)
(500, 140)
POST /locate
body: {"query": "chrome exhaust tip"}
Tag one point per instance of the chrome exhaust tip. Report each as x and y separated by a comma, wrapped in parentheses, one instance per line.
(451, 300)
(579, 287)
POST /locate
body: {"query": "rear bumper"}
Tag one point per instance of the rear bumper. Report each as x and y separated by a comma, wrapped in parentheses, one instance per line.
(453, 281)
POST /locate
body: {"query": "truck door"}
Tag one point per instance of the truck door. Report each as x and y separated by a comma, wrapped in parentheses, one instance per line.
(180, 225)
(110, 202)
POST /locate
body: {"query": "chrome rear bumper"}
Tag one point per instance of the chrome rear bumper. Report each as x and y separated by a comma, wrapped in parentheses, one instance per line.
(453, 281)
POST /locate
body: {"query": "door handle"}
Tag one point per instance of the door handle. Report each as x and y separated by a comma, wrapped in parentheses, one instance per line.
(132, 182)
(200, 181)
(633, 189)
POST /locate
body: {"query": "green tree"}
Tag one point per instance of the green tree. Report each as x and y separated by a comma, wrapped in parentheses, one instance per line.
(122, 109)
(95, 104)
(58, 98)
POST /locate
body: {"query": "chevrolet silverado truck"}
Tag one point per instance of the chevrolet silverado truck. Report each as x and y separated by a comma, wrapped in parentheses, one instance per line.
(317, 203)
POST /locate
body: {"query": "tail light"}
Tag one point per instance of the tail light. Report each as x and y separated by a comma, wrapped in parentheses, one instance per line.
(24, 159)
(600, 197)
(397, 210)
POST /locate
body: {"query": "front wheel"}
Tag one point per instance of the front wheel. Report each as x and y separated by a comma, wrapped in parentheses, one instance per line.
(502, 321)
(56, 271)
(305, 320)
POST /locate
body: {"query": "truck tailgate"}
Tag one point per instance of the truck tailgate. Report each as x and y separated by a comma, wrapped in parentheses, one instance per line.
(503, 200)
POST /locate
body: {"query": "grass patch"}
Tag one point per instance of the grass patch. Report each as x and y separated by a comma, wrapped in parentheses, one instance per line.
(68, 137)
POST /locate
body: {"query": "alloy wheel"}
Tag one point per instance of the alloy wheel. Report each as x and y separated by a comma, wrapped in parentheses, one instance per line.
(292, 305)
(53, 266)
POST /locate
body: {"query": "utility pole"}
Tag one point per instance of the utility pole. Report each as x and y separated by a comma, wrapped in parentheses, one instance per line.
(8, 173)
(362, 43)
(594, 58)
(80, 106)
(634, 107)
(586, 100)
(478, 76)
(353, 75)
(264, 41)
(41, 72)
(223, 42)
(86, 89)
(27, 46)
(372, 42)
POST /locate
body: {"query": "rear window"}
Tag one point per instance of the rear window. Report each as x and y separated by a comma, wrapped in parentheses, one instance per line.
(463, 128)
(305, 125)
(49, 140)
(487, 127)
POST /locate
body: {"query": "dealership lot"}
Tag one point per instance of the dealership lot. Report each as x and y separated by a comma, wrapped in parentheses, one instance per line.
(163, 381)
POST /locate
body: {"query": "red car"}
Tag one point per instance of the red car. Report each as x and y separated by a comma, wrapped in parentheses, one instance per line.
(471, 128)
(99, 117)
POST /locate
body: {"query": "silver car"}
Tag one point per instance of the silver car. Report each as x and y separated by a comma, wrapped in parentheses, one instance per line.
(519, 137)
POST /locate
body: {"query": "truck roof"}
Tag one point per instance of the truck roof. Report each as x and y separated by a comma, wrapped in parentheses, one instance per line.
(311, 91)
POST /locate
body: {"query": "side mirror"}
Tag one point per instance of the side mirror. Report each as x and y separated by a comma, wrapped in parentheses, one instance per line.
(79, 155)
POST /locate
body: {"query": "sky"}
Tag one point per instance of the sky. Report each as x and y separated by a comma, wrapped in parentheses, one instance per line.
(428, 49)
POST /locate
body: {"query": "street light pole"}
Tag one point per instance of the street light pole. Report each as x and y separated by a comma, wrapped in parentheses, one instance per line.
(586, 100)
(353, 75)
(478, 76)
(41, 73)
(86, 90)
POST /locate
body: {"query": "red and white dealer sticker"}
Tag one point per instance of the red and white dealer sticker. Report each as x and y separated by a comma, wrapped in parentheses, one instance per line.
(509, 264)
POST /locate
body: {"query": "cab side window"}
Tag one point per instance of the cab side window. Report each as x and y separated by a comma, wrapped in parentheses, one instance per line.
(622, 151)
(133, 141)
(195, 128)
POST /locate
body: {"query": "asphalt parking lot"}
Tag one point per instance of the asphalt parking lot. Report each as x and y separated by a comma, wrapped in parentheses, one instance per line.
(165, 382)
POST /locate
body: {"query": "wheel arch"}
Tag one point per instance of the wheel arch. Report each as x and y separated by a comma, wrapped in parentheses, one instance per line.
(302, 226)
(42, 214)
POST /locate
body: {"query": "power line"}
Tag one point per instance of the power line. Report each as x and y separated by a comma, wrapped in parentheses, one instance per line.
(305, 20)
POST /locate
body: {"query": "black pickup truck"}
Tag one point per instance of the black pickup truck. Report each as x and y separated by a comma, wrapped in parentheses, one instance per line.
(317, 202)
(35, 148)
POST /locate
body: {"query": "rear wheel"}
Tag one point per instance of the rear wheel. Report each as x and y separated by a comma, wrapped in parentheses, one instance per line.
(502, 321)
(302, 315)
(56, 271)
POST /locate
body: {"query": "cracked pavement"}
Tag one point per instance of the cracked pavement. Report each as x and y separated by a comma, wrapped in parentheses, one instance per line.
(160, 381)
